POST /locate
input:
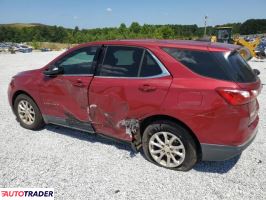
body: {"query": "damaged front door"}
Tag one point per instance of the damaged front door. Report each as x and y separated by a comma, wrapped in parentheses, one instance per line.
(128, 85)
(65, 96)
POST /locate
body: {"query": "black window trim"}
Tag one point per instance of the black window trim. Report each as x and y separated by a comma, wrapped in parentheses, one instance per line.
(164, 73)
(141, 61)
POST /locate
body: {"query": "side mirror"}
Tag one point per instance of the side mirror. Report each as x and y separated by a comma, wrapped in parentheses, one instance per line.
(53, 71)
(256, 71)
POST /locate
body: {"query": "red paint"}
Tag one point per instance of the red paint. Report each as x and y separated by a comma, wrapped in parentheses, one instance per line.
(65, 94)
(183, 95)
(119, 99)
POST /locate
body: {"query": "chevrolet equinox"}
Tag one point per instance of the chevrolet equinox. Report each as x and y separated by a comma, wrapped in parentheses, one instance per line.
(180, 101)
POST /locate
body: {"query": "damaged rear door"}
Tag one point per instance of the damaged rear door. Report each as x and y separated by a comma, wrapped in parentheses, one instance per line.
(130, 83)
(65, 96)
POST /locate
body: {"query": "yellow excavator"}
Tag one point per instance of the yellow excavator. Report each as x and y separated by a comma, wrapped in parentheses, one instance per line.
(224, 35)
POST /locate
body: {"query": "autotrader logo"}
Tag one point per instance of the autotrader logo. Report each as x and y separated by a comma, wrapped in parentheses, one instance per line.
(27, 193)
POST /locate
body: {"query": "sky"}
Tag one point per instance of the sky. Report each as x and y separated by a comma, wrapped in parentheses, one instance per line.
(111, 13)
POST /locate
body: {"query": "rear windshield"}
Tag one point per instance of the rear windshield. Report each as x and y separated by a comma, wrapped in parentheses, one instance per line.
(219, 65)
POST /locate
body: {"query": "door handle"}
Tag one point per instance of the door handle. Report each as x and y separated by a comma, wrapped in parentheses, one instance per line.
(147, 88)
(78, 83)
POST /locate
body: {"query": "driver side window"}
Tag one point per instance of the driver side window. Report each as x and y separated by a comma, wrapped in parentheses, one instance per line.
(79, 62)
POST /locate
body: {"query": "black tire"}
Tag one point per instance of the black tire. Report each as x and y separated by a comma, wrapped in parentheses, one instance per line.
(181, 133)
(38, 122)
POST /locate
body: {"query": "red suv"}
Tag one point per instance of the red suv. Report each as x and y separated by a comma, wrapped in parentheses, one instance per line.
(181, 101)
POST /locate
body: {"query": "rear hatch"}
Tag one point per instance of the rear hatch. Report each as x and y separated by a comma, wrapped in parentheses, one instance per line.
(239, 71)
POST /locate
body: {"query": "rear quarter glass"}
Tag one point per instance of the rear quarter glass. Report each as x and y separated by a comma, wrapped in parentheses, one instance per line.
(236, 66)
(228, 66)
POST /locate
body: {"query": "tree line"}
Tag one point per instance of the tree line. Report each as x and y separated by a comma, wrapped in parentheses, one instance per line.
(44, 33)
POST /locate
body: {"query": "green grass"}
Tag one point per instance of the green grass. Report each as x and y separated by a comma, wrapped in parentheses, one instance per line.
(50, 45)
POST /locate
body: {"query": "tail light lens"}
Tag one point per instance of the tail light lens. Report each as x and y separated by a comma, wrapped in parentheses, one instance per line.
(238, 96)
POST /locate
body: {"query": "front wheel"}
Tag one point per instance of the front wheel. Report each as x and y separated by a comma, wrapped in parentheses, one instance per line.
(28, 113)
(169, 145)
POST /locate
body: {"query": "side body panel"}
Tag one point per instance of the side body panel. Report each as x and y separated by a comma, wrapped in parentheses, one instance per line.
(117, 104)
(64, 96)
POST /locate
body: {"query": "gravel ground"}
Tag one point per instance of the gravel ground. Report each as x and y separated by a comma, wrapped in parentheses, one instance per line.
(82, 166)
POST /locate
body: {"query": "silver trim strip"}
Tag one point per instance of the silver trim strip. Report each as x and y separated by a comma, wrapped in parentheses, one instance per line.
(89, 75)
(163, 68)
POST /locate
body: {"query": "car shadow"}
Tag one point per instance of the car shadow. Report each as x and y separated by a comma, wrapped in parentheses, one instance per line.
(220, 167)
(93, 138)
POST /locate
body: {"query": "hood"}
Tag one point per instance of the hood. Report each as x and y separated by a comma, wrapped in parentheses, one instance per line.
(27, 73)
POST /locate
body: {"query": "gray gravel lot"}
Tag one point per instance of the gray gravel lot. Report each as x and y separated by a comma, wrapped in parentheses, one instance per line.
(82, 166)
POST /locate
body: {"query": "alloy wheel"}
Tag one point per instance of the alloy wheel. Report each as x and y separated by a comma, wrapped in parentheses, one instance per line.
(167, 149)
(26, 112)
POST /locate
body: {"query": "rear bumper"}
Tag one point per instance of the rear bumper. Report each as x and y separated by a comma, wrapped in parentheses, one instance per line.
(215, 152)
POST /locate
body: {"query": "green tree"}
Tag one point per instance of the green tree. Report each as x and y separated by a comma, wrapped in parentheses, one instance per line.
(123, 30)
(40, 33)
(253, 26)
(164, 32)
(135, 27)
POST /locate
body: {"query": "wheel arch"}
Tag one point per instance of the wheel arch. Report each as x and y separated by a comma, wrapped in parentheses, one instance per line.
(19, 92)
(145, 122)
(39, 121)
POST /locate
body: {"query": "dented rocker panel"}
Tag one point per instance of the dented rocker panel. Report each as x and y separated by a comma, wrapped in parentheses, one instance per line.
(69, 123)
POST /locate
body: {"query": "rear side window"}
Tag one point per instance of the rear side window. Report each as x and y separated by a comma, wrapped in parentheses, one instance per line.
(121, 61)
(200, 62)
(217, 65)
(149, 66)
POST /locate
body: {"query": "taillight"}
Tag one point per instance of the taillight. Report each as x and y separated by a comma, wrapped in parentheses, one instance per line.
(237, 96)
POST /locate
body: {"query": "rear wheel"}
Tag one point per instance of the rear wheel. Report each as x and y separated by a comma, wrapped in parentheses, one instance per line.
(28, 113)
(169, 145)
